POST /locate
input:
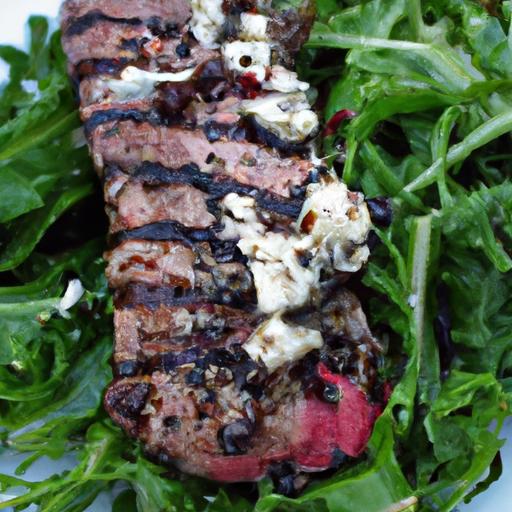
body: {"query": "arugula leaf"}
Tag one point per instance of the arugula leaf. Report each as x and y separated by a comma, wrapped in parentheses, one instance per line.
(17, 195)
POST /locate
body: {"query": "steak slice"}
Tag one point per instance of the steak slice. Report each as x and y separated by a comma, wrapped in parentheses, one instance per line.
(139, 204)
(105, 40)
(176, 331)
(215, 412)
(128, 143)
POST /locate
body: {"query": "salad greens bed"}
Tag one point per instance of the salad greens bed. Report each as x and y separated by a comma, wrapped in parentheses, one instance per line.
(430, 83)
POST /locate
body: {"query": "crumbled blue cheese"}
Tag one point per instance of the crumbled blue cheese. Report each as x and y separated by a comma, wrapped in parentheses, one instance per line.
(280, 281)
(284, 80)
(247, 57)
(243, 221)
(253, 27)
(276, 343)
(338, 226)
(207, 22)
(136, 83)
(289, 116)
(341, 223)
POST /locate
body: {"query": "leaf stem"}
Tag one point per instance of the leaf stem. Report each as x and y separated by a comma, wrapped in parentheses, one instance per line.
(485, 133)
(418, 271)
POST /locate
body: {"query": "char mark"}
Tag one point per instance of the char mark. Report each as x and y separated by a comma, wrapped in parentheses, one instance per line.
(245, 130)
(100, 117)
(156, 174)
(164, 231)
(128, 368)
(235, 359)
(78, 26)
(152, 297)
(169, 361)
(227, 251)
(135, 294)
(129, 399)
(262, 135)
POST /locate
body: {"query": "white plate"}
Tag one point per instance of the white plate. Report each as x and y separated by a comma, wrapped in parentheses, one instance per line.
(12, 31)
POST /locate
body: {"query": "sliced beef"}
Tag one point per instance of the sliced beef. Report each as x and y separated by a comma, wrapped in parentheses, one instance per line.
(250, 164)
(155, 194)
(207, 83)
(105, 40)
(218, 414)
(173, 264)
(229, 284)
(152, 263)
(142, 332)
(139, 204)
(133, 44)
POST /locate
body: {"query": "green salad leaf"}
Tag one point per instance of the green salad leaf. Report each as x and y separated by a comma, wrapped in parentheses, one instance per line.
(429, 82)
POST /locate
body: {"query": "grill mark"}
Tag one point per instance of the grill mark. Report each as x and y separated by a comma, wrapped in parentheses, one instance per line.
(78, 26)
(163, 231)
(152, 297)
(169, 361)
(270, 139)
(245, 130)
(100, 117)
(136, 294)
(156, 174)
(132, 45)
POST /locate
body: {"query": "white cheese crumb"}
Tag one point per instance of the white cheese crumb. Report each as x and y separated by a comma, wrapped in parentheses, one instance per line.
(334, 236)
(74, 291)
(136, 83)
(276, 343)
(243, 221)
(207, 22)
(341, 223)
(253, 27)
(289, 116)
(280, 281)
(247, 57)
(284, 80)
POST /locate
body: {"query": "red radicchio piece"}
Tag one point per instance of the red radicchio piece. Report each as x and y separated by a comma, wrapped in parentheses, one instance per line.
(335, 121)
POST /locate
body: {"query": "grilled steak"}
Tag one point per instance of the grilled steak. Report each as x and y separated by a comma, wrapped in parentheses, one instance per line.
(239, 350)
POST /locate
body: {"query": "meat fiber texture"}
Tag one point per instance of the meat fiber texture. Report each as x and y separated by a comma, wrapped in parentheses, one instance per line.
(208, 202)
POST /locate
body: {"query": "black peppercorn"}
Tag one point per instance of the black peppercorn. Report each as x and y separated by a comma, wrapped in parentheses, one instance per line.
(183, 50)
(331, 393)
